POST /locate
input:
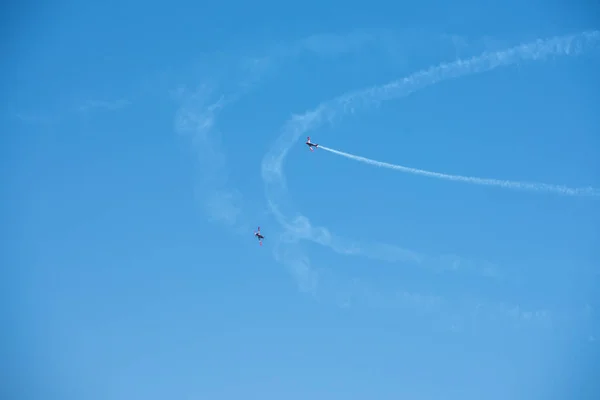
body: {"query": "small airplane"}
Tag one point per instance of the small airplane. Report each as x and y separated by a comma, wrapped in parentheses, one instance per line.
(259, 236)
(311, 144)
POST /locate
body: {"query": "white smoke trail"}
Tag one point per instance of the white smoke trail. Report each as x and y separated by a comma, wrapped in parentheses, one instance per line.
(300, 124)
(273, 175)
(532, 186)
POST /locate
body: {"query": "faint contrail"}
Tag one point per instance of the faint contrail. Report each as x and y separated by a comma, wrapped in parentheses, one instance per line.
(273, 174)
(533, 186)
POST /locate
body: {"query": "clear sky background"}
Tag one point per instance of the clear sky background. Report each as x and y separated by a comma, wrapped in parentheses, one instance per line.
(138, 144)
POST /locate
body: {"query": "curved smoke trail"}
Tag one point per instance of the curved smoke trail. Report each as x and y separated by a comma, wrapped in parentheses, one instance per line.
(533, 186)
(272, 166)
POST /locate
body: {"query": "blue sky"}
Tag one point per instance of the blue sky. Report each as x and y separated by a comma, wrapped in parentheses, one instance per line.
(144, 143)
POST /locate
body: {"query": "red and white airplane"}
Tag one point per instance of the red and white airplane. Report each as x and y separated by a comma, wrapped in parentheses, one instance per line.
(259, 236)
(311, 144)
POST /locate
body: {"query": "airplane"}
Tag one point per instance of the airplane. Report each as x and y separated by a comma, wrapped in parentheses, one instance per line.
(310, 144)
(259, 236)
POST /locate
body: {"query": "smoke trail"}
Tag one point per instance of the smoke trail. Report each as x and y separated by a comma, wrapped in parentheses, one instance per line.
(532, 186)
(277, 195)
(298, 125)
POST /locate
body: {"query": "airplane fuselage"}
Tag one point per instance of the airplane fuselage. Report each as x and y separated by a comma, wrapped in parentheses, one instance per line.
(311, 144)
